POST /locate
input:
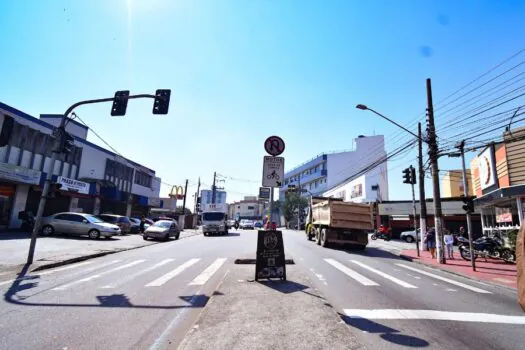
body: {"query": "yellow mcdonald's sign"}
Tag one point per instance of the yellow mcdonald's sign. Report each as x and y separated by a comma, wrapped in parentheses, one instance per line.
(177, 192)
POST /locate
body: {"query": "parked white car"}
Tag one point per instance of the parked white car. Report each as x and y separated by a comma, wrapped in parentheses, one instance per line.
(410, 236)
(247, 225)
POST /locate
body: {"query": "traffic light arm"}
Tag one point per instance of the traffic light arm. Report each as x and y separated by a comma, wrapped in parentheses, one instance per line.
(100, 100)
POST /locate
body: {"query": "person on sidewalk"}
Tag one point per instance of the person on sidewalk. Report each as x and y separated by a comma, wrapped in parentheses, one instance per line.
(430, 241)
(142, 224)
(449, 244)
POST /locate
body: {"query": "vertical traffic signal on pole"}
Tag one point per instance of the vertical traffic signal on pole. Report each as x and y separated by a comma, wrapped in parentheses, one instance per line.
(468, 206)
(406, 176)
(54, 190)
(67, 143)
(162, 101)
(413, 180)
(120, 103)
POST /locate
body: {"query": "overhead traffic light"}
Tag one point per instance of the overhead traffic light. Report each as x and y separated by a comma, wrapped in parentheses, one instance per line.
(7, 126)
(469, 204)
(413, 175)
(198, 204)
(120, 103)
(162, 101)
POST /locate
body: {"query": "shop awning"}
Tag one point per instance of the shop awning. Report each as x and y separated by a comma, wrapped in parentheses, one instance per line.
(499, 194)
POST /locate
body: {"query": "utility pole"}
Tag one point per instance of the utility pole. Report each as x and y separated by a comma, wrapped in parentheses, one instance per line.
(433, 154)
(422, 199)
(184, 200)
(197, 194)
(413, 182)
(213, 188)
(466, 191)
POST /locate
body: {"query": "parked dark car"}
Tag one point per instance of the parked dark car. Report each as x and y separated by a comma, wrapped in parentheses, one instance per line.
(121, 221)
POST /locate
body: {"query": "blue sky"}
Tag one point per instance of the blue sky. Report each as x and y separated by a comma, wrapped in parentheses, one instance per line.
(242, 70)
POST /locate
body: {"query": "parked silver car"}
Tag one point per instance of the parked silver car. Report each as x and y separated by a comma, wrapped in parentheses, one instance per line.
(78, 224)
(162, 229)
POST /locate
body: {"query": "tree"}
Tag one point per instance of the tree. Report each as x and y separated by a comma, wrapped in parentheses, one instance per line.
(293, 204)
(186, 211)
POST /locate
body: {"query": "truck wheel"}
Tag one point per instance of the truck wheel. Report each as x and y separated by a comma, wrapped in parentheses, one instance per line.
(323, 240)
(317, 236)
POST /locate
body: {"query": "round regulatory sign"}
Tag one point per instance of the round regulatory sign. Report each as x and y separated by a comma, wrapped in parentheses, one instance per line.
(274, 145)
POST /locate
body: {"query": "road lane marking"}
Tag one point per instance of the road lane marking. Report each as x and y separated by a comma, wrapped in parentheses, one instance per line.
(205, 275)
(319, 276)
(351, 273)
(451, 290)
(66, 268)
(459, 284)
(92, 277)
(165, 278)
(133, 276)
(34, 275)
(399, 314)
(384, 275)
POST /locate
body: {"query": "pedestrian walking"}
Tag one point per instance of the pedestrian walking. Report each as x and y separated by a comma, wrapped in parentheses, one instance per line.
(430, 241)
(142, 224)
(449, 244)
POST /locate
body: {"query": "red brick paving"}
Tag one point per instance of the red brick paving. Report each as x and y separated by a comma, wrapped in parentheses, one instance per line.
(495, 271)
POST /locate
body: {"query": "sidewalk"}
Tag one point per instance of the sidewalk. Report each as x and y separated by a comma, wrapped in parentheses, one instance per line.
(243, 314)
(59, 250)
(494, 271)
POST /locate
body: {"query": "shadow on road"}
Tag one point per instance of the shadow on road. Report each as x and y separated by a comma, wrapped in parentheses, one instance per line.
(284, 286)
(25, 282)
(80, 238)
(14, 235)
(386, 333)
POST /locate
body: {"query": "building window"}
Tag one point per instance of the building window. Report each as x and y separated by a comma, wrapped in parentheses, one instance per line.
(143, 179)
(286, 181)
(310, 185)
(316, 168)
(316, 184)
(250, 207)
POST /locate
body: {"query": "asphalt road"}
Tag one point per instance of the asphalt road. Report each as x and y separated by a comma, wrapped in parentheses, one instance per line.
(148, 298)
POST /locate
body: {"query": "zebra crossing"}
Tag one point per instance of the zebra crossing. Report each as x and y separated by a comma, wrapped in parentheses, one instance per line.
(118, 273)
(417, 274)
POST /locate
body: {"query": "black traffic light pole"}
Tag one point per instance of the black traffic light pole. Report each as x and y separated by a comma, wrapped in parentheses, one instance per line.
(409, 177)
(119, 108)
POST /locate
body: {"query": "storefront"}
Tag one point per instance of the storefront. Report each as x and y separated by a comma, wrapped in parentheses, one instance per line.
(139, 206)
(74, 195)
(499, 182)
(14, 184)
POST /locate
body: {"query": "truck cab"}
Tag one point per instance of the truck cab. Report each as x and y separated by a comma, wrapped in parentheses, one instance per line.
(214, 219)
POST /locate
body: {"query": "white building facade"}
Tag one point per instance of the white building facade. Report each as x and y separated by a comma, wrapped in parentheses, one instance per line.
(93, 179)
(344, 174)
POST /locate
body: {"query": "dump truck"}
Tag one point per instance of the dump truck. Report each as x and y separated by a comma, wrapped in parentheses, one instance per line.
(330, 220)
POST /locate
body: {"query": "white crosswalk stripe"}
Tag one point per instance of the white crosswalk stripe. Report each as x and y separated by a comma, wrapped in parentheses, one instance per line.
(138, 273)
(384, 275)
(90, 278)
(165, 278)
(444, 279)
(69, 267)
(206, 274)
(351, 273)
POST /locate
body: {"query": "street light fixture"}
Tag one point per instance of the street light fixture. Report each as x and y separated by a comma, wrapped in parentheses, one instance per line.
(364, 108)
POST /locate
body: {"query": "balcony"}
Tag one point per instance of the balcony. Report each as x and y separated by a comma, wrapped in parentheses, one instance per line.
(309, 178)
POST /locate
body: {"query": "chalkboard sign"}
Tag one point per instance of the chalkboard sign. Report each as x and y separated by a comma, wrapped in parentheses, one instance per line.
(270, 261)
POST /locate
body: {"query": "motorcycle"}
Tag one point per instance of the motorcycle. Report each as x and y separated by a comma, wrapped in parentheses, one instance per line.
(380, 235)
(487, 247)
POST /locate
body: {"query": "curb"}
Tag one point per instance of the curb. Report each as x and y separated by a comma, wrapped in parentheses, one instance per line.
(96, 255)
(411, 259)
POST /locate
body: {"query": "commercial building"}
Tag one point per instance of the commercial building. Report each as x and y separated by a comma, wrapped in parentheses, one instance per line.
(93, 179)
(499, 183)
(207, 197)
(248, 208)
(340, 174)
(452, 184)
(398, 215)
